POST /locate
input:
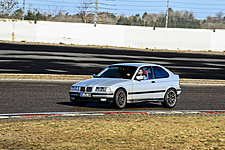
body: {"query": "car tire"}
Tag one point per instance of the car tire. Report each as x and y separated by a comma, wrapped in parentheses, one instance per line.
(120, 99)
(170, 99)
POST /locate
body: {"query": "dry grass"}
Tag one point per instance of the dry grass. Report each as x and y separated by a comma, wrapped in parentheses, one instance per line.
(202, 81)
(43, 77)
(120, 132)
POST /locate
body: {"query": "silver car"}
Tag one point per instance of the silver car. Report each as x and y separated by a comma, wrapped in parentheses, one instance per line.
(120, 84)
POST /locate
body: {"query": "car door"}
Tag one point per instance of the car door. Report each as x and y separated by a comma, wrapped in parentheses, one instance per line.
(143, 89)
(161, 81)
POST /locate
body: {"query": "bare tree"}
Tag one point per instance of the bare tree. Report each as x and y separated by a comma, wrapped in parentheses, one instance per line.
(219, 15)
(7, 7)
(84, 6)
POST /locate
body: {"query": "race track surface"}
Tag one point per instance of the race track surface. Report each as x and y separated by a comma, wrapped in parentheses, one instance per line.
(50, 96)
(40, 59)
(42, 96)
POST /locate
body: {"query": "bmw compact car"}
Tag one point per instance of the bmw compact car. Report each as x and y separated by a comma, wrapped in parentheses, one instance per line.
(120, 84)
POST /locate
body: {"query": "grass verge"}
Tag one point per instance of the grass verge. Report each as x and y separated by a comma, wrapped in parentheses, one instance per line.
(115, 132)
(43, 77)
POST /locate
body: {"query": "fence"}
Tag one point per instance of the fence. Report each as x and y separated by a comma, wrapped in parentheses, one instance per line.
(113, 35)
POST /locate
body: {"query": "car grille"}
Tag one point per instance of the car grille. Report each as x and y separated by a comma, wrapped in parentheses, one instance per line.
(82, 89)
(89, 89)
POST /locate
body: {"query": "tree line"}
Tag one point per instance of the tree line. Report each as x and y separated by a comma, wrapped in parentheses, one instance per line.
(177, 19)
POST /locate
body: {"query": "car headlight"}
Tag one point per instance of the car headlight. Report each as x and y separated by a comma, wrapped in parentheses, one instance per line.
(75, 88)
(102, 89)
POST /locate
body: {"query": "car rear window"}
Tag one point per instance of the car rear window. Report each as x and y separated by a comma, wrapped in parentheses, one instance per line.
(159, 72)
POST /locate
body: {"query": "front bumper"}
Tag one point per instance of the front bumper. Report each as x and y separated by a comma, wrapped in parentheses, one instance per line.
(91, 97)
(178, 91)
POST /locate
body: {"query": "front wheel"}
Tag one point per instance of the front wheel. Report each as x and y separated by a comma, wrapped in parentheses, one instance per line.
(170, 99)
(120, 99)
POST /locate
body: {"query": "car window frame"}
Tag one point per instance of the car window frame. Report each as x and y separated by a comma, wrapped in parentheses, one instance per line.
(160, 77)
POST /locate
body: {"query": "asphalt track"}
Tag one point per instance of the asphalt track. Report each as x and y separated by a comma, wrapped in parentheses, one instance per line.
(37, 96)
(42, 59)
(52, 96)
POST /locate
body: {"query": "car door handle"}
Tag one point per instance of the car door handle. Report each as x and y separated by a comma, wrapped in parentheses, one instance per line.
(153, 81)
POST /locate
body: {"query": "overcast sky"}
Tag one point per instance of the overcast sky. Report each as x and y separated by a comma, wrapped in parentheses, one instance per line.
(200, 8)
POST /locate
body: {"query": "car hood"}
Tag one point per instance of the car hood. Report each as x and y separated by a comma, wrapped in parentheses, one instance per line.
(100, 82)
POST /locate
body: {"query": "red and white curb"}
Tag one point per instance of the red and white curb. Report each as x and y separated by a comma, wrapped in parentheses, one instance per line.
(102, 113)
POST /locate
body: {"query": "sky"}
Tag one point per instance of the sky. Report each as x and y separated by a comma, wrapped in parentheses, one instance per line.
(200, 8)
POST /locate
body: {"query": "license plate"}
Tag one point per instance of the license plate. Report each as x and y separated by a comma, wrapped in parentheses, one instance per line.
(85, 95)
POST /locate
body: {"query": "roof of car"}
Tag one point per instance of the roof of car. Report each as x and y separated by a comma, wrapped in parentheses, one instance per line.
(134, 64)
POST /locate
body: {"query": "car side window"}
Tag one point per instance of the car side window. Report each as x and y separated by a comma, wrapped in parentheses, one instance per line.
(159, 72)
(149, 71)
(146, 72)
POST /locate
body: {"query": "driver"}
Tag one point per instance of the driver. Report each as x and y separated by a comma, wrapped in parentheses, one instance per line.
(140, 73)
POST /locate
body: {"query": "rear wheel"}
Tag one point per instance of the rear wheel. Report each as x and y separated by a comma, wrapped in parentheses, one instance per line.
(120, 99)
(170, 99)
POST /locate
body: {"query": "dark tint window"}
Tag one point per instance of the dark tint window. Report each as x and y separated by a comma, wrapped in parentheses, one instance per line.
(160, 73)
(125, 72)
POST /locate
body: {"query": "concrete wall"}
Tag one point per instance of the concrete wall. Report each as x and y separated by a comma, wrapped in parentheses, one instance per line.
(113, 35)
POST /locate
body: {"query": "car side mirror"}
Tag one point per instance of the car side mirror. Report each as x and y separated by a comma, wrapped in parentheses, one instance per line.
(94, 75)
(139, 78)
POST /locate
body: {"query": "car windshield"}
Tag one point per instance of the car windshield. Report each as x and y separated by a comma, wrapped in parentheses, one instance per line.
(124, 72)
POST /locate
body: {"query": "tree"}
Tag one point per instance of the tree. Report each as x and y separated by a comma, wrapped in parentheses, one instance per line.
(144, 18)
(7, 7)
(30, 15)
(17, 14)
(177, 19)
(123, 21)
(35, 15)
(107, 18)
(219, 15)
(136, 20)
(84, 6)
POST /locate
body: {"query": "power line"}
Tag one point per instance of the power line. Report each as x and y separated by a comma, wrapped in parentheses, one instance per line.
(51, 1)
(201, 4)
(135, 1)
(107, 4)
(199, 8)
(106, 8)
(130, 9)
(50, 5)
(143, 5)
(128, 6)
